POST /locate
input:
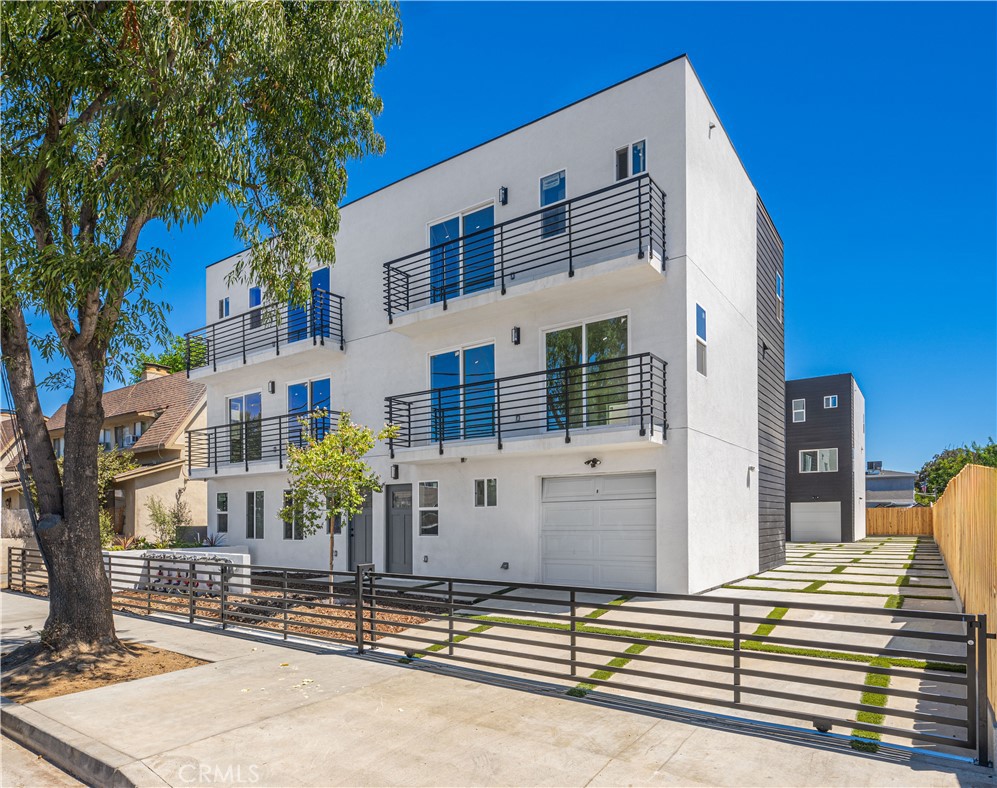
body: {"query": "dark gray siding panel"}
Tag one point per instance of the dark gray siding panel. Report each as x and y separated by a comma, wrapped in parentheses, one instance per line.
(771, 398)
(825, 428)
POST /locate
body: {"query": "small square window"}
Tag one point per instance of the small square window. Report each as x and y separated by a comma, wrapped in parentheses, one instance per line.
(700, 322)
(799, 410)
(485, 492)
(700, 358)
(223, 308)
(831, 401)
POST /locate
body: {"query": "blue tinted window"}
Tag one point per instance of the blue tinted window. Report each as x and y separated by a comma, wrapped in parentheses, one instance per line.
(444, 259)
(479, 392)
(444, 376)
(255, 297)
(700, 322)
(297, 398)
(552, 188)
(479, 250)
(638, 162)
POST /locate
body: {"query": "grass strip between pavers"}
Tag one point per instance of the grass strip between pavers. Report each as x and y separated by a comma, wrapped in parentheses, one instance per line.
(900, 581)
(810, 590)
(894, 602)
(748, 645)
(871, 698)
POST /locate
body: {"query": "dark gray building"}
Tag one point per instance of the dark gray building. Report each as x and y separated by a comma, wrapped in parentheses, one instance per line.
(888, 488)
(825, 459)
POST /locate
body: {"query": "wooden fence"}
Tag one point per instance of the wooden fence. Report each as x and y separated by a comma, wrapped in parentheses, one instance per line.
(899, 522)
(965, 523)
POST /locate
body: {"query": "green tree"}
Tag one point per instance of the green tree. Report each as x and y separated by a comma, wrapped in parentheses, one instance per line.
(118, 114)
(173, 357)
(328, 474)
(937, 472)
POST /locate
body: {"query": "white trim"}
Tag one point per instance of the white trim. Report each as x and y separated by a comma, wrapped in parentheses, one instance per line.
(307, 382)
(830, 401)
(485, 505)
(419, 508)
(629, 147)
(544, 330)
(803, 411)
(817, 464)
(459, 350)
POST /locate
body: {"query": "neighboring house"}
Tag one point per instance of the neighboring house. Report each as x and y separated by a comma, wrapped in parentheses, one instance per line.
(825, 459)
(149, 419)
(888, 488)
(15, 515)
(578, 328)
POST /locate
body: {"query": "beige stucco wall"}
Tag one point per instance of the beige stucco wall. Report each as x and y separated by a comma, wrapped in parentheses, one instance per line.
(164, 485)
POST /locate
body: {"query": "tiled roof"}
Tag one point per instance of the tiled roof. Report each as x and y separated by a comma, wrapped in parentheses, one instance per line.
(174, 397)
(6, 430)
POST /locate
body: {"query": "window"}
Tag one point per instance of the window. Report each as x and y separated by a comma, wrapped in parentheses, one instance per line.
(597, 394)
(630, 160)
(467, 411)
(462, 263)
(221, 513)
(553, 190)
(799, 410)
(700, 340)
(778, 296)
(293, 528)
(119, 436)
(819, 461)
(57, 446)
(222, 308)
(255, 301)
(485, 492)
(304, 397)
(429, 508)
(831, 401)
(254, 514)
(106, 439)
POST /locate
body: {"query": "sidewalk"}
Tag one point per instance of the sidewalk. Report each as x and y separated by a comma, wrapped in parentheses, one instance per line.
(268, 714)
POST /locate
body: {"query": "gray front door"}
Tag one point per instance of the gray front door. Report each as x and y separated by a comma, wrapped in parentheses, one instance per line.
(399, 528)
(361, 537)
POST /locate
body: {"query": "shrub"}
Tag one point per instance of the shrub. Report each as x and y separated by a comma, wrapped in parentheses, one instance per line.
(166, 520)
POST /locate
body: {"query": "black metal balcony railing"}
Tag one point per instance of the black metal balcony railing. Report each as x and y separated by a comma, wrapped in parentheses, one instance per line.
(243, 443)
(273, 325)
(614, 392)
(625, 218)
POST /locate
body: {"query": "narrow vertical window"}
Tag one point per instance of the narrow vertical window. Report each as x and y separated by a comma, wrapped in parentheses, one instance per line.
(700, 340)
(223, 308)
(293, 528)
(622, 164)
(778, 296)
(254, 514)
(637, 160)
(799, 410)
(553, 190)
(429, 508)
(221, 512)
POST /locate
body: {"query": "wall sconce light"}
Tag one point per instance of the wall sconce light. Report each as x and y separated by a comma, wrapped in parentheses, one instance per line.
(394, 471)
(593, 462)
(515, 335)
(505, 565)
(272, 387)
(503, 195)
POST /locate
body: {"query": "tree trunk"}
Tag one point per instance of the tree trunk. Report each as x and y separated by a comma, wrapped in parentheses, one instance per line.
(80, 613)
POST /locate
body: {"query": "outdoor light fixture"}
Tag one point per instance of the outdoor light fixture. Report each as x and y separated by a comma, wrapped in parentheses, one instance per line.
(505, 565)
(515, 335)
(593, 462)
(394, 471)
(503, 195)
(272, 387)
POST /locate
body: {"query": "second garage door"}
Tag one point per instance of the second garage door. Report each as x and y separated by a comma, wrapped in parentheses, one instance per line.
(599, 531)
(817, 521)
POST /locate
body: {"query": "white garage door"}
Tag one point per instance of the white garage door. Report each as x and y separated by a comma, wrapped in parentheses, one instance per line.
(599, 531)
(817, 521)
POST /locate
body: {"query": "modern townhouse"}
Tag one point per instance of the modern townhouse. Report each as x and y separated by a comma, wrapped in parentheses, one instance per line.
(825, 459)
(576, 325)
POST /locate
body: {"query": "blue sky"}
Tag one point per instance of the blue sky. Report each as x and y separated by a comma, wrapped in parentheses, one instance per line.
(868, 129)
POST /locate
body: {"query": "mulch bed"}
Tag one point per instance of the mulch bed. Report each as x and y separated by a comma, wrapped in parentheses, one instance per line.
(33, 672)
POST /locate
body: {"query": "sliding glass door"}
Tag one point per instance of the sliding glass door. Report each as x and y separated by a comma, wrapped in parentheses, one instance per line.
(245, 434)
(595, 394)
(466, 411)
(462, 257)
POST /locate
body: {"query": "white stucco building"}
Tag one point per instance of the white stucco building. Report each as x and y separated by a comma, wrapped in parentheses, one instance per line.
(578, 327)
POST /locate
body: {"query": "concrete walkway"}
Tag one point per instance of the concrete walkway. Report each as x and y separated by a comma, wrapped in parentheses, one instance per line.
(21, 768)
(263, 713)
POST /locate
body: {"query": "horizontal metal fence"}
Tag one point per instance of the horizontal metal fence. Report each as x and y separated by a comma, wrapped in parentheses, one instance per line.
(267, 327)
(626, 391)
(254, 441)
(623, 219)
(909, 675)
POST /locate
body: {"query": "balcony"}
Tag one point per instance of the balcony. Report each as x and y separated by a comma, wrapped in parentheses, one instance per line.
(257, 444)
(622, 220)
(271, 328)
(612, 400)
